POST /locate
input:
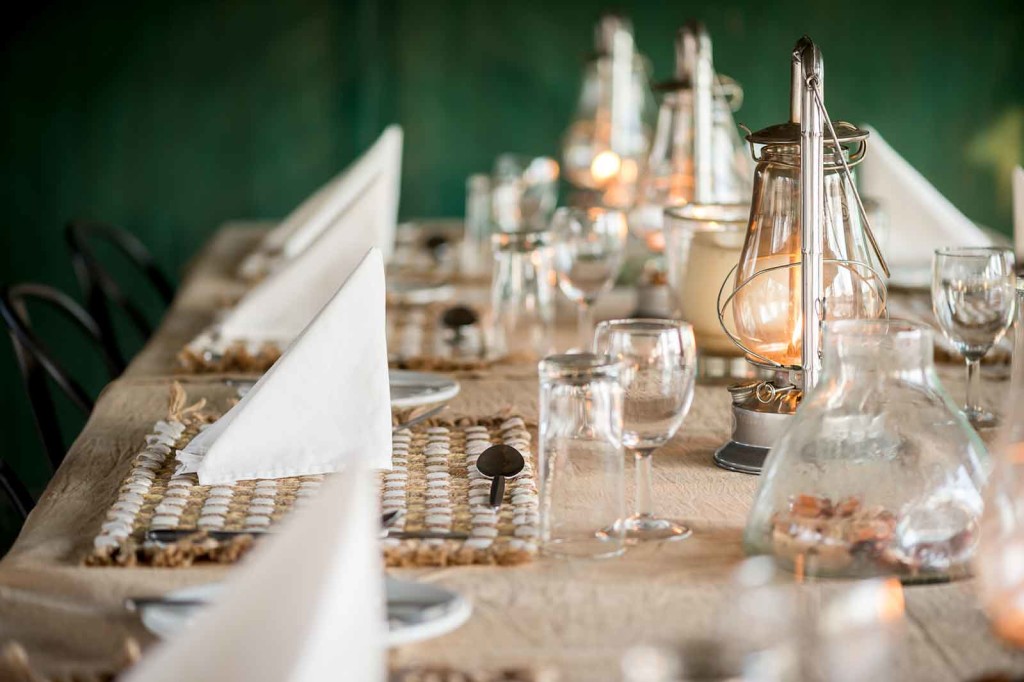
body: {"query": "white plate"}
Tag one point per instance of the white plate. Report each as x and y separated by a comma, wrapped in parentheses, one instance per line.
(408, 389)
(440, 610)
(412, 389)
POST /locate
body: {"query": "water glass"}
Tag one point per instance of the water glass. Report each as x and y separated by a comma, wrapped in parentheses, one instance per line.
(522, 314)
(974, 301)
(659, 360)
(582, 486)
(589, 247)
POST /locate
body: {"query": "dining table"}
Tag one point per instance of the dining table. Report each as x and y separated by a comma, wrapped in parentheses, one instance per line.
(555, 618)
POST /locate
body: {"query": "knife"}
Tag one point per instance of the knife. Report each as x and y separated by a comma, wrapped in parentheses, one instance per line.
(166, 536)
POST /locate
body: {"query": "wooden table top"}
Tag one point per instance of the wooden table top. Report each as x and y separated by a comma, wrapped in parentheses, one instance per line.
(574, 617)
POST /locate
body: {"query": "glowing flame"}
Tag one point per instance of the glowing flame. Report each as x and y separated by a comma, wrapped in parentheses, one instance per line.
(605, 166)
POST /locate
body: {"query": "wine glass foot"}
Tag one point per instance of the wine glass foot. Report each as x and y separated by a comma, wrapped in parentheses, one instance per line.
(982, 419)
(648, 528)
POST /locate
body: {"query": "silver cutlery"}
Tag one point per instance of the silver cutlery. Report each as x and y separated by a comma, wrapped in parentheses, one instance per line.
(419, 418)
(166, 536)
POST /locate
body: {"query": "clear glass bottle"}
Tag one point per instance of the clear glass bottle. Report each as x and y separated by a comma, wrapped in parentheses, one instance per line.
(582, 484)
(879, 472)
(522, 314)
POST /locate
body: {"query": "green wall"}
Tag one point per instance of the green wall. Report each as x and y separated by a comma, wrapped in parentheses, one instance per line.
(170, 118)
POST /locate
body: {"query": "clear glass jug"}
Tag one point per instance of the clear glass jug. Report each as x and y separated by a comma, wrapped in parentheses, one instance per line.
(522, 314)
(879, 473)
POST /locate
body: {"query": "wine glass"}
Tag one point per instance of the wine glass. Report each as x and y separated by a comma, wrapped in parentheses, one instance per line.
(658, 366)
(973, 298)
(589, 247)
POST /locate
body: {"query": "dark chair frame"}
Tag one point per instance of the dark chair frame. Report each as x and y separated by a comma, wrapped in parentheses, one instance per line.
(38, 365)
(99, 290)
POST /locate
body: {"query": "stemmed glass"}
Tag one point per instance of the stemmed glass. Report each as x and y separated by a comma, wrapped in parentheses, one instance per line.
(589, 247)
(658, 366)
(973, 298)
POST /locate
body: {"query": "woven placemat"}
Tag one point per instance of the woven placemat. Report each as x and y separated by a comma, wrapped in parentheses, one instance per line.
(414, 333)
(434, 482)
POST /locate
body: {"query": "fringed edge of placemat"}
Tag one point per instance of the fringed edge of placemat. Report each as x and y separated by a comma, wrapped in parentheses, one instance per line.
(236, 357)
(504, 539)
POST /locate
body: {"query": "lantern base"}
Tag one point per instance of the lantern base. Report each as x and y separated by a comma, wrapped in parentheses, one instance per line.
(753, 434)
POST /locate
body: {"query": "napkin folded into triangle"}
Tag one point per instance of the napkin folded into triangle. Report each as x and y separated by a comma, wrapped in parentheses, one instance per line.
(920, 218)
(306, 605)
(277, 309)
(374, 180)
(323, 405)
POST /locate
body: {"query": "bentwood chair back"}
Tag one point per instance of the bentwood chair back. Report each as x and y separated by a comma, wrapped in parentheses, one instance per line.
(100, 289)
(39, 367)
(15, 491)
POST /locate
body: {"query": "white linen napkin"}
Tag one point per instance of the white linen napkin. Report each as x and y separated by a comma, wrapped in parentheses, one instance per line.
(920, 218)
(277, 309)
(323, 405)
(307, 605)
(1018, 214)
(373, 179)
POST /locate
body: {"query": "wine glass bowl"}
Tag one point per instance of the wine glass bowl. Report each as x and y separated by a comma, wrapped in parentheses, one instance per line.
(658, 359)
(974, 301)
(589, 247)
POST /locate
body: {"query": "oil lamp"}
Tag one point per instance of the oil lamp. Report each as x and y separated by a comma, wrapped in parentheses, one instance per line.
(809, 256)
(604, 146)
(696, 153)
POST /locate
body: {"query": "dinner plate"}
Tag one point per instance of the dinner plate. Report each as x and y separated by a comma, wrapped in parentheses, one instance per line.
(408, 389)
(412, 389)
(416, 611)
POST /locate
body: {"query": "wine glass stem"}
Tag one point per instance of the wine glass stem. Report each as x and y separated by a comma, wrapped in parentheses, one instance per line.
(644, 494)
(973, 385)
(585, 325)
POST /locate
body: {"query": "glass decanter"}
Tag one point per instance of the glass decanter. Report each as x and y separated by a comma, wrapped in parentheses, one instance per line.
(879, 472)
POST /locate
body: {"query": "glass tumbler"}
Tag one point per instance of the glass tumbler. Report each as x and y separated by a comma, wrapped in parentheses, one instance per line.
(522, 296)
(582, 483)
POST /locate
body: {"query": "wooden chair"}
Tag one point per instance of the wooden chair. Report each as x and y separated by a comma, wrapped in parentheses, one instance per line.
(100, 290)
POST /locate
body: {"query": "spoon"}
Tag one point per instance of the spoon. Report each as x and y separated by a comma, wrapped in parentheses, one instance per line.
(499, 462)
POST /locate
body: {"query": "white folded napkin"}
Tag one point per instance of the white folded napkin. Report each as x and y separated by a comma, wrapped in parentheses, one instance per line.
(373, 179)
(1018, 214)
(920, 218)
(323, 405)
(307, 605)
(277, 309)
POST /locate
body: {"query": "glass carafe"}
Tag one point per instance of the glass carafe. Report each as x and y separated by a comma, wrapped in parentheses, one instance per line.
(522, 311)
(879, 472)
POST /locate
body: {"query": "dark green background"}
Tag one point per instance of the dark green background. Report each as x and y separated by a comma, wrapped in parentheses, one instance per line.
(172, 117)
